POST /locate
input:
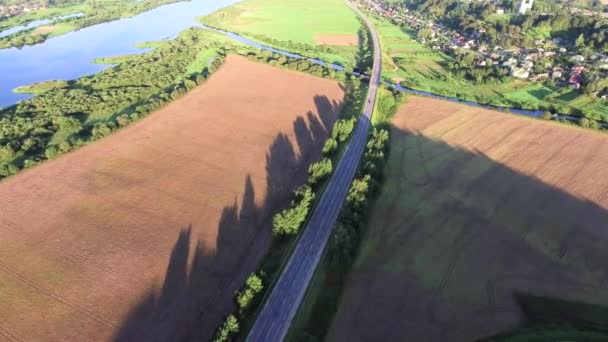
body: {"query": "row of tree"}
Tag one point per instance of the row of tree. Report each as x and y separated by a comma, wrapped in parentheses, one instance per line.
(245, 300)
(287, 223)
(347, 234)
(291, 220)
(349, 229)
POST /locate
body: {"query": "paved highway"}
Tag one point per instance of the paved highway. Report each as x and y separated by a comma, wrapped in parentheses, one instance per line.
(281, 306)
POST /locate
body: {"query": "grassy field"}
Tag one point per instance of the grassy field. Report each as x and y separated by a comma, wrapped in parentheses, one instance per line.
(298, 21)
(419, 67)
(146, 234)
(477, 206)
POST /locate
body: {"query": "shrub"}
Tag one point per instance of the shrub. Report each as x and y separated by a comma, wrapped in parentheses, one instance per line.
(227, 330)
(289, 221)
(51, 152)
(319, 171)
(255, 283)
(253, 286)
(342, 129)
(330, 146)
(357, 194)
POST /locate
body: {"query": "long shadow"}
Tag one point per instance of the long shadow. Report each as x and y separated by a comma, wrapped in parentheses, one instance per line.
(455, 234)
(199, 286)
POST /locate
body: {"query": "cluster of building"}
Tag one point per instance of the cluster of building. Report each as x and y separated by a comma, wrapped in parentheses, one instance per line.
(558, 62)
(9, 11)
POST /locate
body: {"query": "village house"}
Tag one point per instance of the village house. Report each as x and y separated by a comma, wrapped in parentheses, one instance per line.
(542, 76)
(521, 73)
(557, 73)
(577, 58)
(520, 61)
(526, 64)
(549, 53)
(576, 77)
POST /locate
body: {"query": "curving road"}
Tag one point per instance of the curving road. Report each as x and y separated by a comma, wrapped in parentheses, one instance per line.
(282, 304)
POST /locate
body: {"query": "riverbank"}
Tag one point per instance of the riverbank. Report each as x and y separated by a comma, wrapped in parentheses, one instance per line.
(42, 87)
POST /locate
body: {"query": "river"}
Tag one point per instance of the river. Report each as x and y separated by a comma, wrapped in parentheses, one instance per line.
(70, 56)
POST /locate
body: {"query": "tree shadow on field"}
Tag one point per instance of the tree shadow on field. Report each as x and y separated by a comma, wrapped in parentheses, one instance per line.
(199, 285)
(455, 234)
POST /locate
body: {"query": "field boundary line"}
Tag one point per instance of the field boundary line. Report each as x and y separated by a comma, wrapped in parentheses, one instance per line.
(590, 158)
(105, 229)
(50, 293)
(9, 335)
(552, 155)
(15, 227)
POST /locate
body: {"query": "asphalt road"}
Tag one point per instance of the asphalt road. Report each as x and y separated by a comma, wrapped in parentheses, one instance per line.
(281, 306)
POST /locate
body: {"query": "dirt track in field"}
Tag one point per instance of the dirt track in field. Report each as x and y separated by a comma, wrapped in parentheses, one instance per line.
(337, 39)
(477, 205)
(146, 234)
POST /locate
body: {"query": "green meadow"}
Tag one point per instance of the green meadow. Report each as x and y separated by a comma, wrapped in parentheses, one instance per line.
(292, 24)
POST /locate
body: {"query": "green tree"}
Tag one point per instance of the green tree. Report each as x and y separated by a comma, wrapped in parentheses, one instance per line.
(357, 194)
(289, 221)
(342, 129)
(424, 34)
(254, 282)
(51, 152)
(330, 146)
(244, 298)
(253, 286)
(580, 41)
(319, 171)
(228, 329)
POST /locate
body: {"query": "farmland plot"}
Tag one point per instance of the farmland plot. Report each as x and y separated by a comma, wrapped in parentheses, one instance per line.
(146, 234)
(477, 207)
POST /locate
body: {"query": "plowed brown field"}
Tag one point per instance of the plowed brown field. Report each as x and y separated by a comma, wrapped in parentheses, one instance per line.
(477, 206)
(146, 234)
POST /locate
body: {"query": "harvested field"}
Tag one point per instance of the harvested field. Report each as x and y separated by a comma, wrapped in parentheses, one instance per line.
(337, 39)
(477, 207)
(146, 234)
(45, 29)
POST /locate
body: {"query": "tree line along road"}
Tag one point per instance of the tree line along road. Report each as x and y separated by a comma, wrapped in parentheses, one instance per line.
(282, 304)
